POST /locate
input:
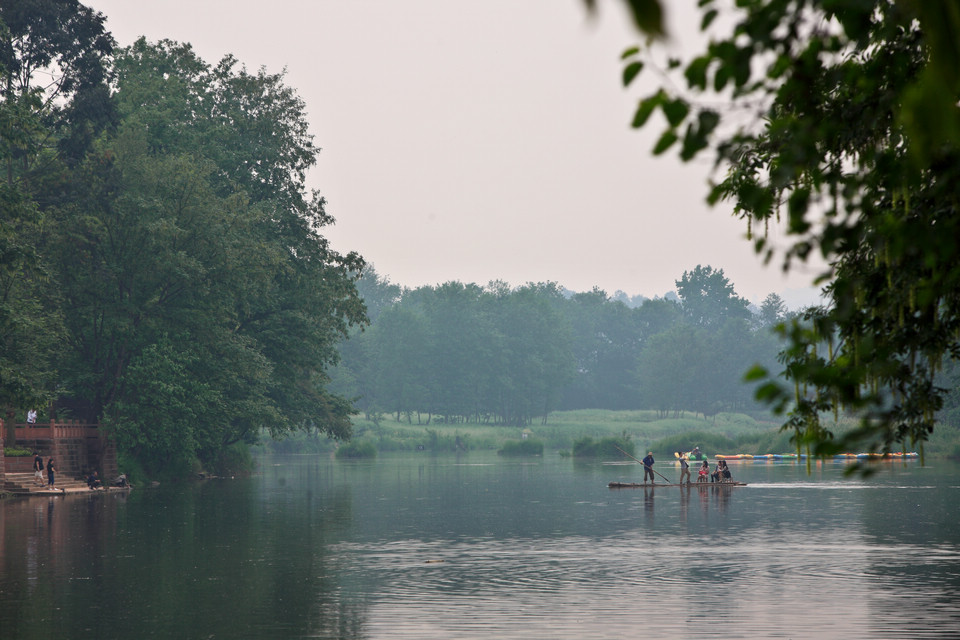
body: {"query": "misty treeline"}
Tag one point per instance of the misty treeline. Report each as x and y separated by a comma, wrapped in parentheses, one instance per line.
(500, 355)
(162, 270)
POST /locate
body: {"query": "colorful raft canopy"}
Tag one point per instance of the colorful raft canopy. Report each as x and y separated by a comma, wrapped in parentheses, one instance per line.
(693, 456)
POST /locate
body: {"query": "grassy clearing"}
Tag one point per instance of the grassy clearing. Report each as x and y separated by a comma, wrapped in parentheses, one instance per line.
(726, 433)
(518, 448)
(562, 430)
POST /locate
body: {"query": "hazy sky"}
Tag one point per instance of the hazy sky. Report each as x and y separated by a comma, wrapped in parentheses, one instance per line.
(477, 140)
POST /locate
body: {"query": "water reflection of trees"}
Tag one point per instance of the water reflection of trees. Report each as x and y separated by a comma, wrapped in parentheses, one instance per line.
(216, 560)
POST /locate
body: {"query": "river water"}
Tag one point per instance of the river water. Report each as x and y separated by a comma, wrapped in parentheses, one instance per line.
(416, 546)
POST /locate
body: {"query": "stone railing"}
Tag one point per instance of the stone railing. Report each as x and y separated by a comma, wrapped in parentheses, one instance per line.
(56, 430)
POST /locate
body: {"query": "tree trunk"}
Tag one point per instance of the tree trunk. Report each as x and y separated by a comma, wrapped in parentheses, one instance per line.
(10, 439)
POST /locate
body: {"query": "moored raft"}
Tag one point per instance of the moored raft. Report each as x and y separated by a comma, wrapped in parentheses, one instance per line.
(698, 485)
(878, 456)
(763, 457)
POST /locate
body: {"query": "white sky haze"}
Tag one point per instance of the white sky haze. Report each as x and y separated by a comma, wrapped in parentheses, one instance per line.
(478, 140)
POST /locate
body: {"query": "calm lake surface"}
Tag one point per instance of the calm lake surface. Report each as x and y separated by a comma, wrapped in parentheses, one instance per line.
(421, 546)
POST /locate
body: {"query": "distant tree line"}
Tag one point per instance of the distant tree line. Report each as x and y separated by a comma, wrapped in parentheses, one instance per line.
(499, 355)
(162, 269)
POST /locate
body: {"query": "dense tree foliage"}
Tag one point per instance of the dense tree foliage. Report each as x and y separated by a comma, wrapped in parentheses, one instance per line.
(842, 126)
(52, 101)
(708, 300)
(607, 337)
(162, 248)
(456, 353)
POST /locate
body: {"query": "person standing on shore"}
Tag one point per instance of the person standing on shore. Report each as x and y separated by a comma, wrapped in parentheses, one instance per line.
(51, 472)
(37, 469)
(648, 467)
(684, 467)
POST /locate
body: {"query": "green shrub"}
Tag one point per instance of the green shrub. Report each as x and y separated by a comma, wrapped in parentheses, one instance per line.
(521, 448)
(607, 448)
(129, 465)
(438, 442)
(944, 441)
(356, 449)
(233, 460)
(17, 452)
(388, 442)
(297, 442)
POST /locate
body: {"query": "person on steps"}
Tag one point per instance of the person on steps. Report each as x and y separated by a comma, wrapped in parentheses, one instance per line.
(93, 481)
(51, 472)
(37, 469)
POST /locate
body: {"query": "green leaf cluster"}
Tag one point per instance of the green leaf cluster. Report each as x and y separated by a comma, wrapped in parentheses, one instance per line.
(841, 125)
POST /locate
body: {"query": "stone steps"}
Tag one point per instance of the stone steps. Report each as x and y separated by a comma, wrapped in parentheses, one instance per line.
(23, 483)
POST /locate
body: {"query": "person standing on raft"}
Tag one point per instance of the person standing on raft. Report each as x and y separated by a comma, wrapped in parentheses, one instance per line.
(684, 467)
(648, 467)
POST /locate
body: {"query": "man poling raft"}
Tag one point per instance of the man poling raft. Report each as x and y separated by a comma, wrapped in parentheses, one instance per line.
(647, 468)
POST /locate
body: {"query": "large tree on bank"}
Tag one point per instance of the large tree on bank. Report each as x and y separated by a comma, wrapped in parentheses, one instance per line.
(54, 99)
(205, 303)
(851, 142)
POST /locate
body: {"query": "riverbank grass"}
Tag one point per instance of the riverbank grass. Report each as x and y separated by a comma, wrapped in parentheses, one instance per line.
(725, 433)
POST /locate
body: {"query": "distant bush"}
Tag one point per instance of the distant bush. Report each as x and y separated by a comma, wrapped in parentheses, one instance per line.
(709, 443)
(233, 460)
(297, 442)
(945, 441)
(773, 441)
(356, 449)
(587, 447)
(521, 448)
(388, 442)
(439, 442)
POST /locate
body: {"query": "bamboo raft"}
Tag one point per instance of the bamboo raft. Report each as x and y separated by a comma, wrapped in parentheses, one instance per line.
(698, 485)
